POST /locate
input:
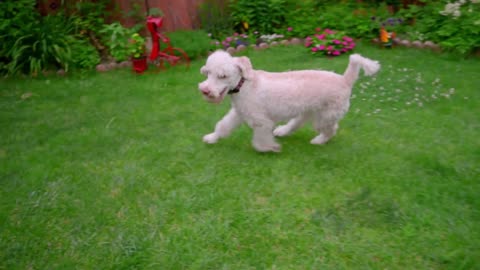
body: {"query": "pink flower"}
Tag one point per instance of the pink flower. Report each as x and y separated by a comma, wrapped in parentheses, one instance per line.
(228, 39)
(330, 48)
(344, 43)
(289, 29)
(308, 43)
(321, 47)
(336, 41)
(336, 53)
(317, 29)
(347, 39)
(328, 31)
(236, 34)
(320, 37)
(314, 49)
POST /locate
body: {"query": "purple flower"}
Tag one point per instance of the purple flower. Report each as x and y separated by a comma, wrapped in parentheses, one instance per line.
(289, 29)
(228, 39)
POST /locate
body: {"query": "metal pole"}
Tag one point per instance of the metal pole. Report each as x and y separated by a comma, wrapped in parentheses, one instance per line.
(147, 7)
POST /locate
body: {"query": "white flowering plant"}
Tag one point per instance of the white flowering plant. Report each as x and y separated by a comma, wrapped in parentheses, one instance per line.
(455, 25)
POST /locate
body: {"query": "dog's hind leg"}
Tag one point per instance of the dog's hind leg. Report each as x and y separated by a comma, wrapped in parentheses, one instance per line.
(263, 140)
(326, 127)
(291, 126)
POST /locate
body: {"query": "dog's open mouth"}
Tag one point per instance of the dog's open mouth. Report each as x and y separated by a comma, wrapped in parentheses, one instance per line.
(216, 100)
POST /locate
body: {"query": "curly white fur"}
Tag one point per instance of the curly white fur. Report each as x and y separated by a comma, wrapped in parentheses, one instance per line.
(266, 98)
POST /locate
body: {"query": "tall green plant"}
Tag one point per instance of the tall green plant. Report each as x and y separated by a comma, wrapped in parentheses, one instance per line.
(264, 16)
(31, 43)
(116, 38)
(454, 25)
(215, 18)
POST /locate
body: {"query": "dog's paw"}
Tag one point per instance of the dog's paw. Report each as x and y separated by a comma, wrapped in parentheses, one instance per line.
(210, 138)
(268, 148)
(281, 131)
(320, 139)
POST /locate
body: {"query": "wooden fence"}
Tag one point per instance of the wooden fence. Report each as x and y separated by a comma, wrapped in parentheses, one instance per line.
(179, 14)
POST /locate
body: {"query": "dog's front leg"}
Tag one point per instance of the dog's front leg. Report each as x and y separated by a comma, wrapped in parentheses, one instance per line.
(263, 140)
(224, 127)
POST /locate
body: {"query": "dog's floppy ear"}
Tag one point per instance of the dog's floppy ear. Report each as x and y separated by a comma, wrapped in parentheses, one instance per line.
(203, 70)
(245, 66)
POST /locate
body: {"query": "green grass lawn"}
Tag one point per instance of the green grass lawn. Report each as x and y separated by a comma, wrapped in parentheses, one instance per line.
(109, 171)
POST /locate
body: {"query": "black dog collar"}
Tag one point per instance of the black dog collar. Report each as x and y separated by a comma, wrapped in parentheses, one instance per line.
(237, 88)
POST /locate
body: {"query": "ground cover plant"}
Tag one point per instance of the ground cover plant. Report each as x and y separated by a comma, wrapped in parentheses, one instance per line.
(108, 171)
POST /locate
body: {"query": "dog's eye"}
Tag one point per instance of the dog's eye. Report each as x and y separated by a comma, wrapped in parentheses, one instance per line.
(223, 76)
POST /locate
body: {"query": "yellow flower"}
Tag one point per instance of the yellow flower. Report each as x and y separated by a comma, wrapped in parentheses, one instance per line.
(245, 25)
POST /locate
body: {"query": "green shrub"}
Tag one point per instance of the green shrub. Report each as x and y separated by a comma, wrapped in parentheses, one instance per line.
(116, 37)
(32, 43)
(194, 42)
(264, 16)
(455, 26)
(215, 18)
(302, 18)
(84, 54)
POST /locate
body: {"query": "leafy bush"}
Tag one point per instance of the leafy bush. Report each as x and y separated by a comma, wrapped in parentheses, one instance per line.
(32, 43)
(329, 42)
(116, 38)
(455, 26)
(84, 54)
(354, 20)
(194, 42)
(301, 19)
(264, 16)
(215, 18)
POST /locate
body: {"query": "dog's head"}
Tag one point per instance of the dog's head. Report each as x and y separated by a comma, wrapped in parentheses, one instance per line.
(224, 73)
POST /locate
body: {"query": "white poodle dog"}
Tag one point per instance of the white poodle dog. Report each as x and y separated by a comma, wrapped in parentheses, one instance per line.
(261, 99)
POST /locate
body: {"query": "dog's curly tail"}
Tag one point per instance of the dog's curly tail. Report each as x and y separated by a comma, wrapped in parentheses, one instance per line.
(370, 67)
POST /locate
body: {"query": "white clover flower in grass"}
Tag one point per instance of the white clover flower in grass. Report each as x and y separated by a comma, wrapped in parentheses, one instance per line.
(451, 91)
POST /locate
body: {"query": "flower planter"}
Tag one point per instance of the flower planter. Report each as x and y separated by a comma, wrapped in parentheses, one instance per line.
(139, 64)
